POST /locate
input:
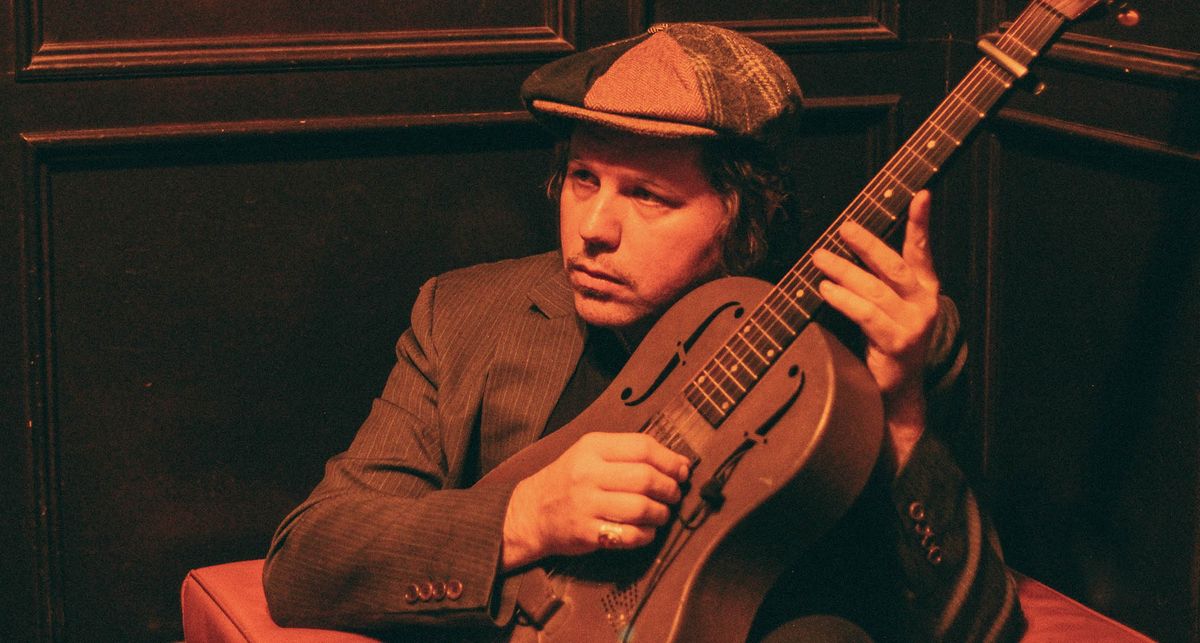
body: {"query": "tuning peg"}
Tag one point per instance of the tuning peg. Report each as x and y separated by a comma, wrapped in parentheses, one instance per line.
(1126, 15)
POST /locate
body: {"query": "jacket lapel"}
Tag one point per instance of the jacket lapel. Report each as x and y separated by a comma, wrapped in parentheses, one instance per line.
(532, 364)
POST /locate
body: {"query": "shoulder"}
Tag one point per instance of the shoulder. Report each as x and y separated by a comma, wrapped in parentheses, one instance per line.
(486, 293)
(501, 277)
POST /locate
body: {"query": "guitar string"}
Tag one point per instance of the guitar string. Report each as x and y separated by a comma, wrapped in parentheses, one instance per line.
(980, 87)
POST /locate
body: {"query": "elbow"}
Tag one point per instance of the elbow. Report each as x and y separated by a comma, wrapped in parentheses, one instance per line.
(283, 590)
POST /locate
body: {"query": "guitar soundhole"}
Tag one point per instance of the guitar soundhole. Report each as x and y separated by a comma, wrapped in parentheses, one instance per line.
(619, 605)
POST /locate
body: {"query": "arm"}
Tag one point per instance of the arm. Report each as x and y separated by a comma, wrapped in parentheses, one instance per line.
(383, 539)
(956, 583)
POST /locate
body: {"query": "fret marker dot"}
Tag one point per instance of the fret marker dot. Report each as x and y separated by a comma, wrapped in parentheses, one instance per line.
(724, 405)
(747, 328)
(700, 380)
(931, 144)
(770, 352)
(887, 194)
(733, 369)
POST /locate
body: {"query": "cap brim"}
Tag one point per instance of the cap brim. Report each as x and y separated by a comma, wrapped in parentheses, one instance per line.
(634, 124)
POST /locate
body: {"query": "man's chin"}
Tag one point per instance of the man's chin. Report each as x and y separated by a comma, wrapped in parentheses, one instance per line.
(607, 313)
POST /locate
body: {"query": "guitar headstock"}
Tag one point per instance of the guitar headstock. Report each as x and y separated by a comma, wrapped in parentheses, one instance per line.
(1072, 9)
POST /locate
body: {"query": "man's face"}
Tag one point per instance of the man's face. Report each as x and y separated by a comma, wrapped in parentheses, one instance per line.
(640, 225)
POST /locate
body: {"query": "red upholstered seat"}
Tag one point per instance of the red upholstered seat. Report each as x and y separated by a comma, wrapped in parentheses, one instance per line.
(225, 603)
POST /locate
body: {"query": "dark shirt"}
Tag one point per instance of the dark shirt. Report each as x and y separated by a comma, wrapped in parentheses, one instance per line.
(603, 358)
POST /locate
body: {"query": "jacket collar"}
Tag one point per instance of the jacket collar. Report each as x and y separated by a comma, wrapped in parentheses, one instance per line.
(552, 296)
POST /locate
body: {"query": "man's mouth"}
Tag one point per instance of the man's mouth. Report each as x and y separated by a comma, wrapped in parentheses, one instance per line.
(593, 279)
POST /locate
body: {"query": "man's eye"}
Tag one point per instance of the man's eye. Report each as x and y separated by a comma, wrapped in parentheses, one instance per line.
(646, 196)
(583, 176)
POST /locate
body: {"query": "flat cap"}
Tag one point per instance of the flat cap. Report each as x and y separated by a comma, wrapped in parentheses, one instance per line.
(676, 80)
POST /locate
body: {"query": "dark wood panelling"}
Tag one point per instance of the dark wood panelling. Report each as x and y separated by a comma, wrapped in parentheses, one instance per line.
(1161, 45)
(1162, 24)
(1093, 367)
(1089, 381)
(779, 23)
(120, 38)
(218, 216)
(220, 301)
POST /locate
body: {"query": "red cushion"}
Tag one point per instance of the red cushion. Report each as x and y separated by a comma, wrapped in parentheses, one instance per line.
(1055, 617)
(226, 603)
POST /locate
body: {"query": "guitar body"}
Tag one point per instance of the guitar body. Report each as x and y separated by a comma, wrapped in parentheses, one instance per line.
(792, 456)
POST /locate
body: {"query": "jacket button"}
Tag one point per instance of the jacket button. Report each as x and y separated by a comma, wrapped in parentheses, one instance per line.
(439, 590)
(411, 593)
(425, 590)
(934, 554)
(454, 589)
(916, 511)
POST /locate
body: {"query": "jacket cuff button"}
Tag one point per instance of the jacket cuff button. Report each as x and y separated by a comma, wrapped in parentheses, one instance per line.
(454, 589)
(916, 510)
(439, 590)
(425, 590)
(934, 555)
(411, 593)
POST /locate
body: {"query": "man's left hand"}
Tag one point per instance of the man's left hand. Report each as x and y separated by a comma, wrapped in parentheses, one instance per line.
(893, 298)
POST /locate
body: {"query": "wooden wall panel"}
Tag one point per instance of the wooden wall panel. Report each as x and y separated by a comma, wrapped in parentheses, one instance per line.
(1095, 375)
(216, 216)
(828, 21)
(218, 316)
(1090, 381)
(120, 38)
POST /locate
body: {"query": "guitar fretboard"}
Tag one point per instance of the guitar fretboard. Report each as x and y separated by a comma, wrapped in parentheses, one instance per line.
(771, 326)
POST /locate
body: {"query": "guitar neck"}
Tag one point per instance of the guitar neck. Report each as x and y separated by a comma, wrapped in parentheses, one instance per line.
(880, 207)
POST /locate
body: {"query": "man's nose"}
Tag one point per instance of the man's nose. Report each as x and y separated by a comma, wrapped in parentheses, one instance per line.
(600, 227)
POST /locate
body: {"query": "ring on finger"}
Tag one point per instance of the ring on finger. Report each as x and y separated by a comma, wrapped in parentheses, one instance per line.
(609, 536)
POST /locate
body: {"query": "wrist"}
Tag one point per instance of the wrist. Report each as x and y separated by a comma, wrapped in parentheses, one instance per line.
(904, 413)
(517, 547)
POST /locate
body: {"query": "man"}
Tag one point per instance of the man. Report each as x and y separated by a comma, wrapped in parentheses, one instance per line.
(669, 175)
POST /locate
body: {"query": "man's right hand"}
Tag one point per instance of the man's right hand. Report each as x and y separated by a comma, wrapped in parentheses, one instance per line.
(620, 484)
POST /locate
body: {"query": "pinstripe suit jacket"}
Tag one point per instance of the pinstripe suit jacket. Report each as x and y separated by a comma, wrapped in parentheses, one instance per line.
(488, 353)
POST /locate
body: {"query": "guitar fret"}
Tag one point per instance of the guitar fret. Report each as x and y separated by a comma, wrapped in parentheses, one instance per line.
(727, 349)
(1010, 37)
(837, 247)
(735, 368)
(880, 206)
(783, 321)
(998, 77)
(1048, 8)
(729, 376)
(763, 331)
(707, 378)
(793, 302)
(896, 180)
(919, 157)
(964, 101)
(754, 350)
(948, 135)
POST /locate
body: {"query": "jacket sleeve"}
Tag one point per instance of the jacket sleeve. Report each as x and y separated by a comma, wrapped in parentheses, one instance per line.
(384, 540)
(956, 584)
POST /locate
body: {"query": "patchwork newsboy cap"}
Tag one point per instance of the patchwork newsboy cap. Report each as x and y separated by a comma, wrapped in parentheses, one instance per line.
(675, 80)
